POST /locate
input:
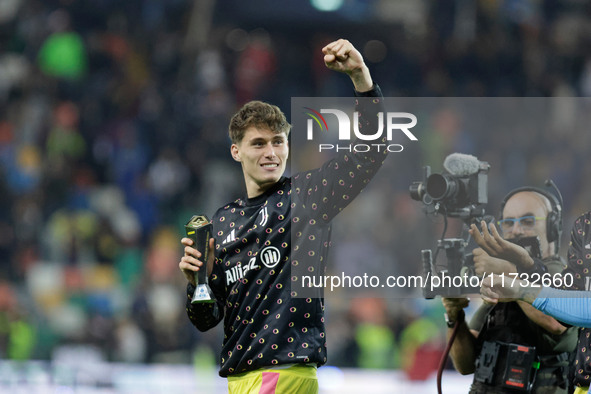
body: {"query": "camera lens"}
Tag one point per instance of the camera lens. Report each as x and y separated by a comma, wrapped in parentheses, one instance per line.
(417, 191)
(441, 186)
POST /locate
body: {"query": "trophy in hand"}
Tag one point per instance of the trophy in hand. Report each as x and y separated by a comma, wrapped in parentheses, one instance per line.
(199, 230)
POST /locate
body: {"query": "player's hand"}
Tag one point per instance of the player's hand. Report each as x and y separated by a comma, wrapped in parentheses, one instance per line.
(454, 305)
(341, 55)
(486, 264)
(497, 288)
(190, 262)
(496, 246)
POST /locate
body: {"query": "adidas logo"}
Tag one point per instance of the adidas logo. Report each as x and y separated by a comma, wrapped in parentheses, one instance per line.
(231, 237)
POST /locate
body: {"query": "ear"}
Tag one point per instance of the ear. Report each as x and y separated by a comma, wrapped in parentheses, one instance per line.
(235, 151)
(287, 144)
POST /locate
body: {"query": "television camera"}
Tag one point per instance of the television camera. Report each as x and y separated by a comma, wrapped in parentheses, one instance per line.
(459, 192)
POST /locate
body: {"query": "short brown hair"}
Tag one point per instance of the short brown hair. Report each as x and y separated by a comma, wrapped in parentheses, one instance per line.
(258, 114)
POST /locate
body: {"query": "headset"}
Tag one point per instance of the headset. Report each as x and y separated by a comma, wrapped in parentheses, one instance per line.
(554, 219)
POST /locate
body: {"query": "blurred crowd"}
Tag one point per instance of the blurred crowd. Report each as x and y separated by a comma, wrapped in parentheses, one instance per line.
(113, 119)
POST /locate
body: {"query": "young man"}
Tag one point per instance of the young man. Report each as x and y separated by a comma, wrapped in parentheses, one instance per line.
(273, 339)
(526, 212)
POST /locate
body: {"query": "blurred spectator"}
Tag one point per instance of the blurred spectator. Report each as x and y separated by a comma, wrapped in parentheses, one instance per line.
(63, 54)
(255, 68)
(373, 343)
(422, 344)
(17, 335)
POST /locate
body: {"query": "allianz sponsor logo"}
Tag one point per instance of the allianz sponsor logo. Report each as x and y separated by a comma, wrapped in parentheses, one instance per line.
(394, 122)
(269, 257)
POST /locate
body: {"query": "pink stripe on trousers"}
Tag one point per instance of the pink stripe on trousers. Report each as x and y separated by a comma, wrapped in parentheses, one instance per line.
(269, 384)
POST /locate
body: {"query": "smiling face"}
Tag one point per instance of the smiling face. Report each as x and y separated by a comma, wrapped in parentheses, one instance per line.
(263, 155)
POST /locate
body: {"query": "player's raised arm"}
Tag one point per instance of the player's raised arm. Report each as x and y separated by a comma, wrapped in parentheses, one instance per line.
(342, 56)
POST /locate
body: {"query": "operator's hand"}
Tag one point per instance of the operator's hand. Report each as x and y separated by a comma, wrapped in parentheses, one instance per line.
(190, 262)
(486, 264)
(454, 305)
(342, 56)
(496, 246)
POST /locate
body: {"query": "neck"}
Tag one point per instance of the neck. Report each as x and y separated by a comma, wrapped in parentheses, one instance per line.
(254, 190)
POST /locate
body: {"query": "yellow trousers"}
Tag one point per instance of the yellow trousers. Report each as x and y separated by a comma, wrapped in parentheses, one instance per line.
(297, 379)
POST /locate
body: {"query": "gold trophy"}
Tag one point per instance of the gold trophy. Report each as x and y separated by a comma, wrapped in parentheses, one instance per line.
(199, 230)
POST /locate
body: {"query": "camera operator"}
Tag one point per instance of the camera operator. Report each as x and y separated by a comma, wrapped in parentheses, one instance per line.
(501, 336)
(573, 309)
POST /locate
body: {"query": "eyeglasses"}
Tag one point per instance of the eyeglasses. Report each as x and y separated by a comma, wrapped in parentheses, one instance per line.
(525, 222)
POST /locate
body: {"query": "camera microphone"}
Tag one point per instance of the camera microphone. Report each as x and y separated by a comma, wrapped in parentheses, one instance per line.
(461, 164)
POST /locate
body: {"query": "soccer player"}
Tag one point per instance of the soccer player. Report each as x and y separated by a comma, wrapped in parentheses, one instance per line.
(272, 338)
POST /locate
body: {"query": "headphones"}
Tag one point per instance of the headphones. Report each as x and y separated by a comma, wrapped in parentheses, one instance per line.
(554, 218)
